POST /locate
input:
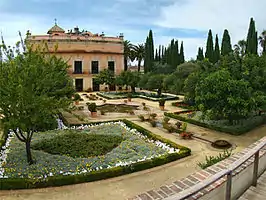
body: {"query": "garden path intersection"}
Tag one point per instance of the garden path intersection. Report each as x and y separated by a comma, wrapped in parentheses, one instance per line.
(127, 186)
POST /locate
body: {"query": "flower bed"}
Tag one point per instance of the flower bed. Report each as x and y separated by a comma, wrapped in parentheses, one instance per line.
(183, 105)
(220, 125)
(143, 95)
(139, 150)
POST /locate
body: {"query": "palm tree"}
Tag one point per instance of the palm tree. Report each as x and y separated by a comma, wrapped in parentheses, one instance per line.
(240, 47)
(128, 47)
(262, 41)
(139, 51)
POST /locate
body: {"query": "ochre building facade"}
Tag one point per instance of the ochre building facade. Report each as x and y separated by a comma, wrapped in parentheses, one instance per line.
(86, 53)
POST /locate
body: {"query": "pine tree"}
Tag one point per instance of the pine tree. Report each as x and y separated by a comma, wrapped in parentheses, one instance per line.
(226, 43)
(200, 55)
(216, 55)
(209, 47)
(182, 56)
(252, 41)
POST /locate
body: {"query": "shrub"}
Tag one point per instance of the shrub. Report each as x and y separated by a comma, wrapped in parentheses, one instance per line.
(81, 108)
(141, 117)
(184, 127)
(178, 124)
(77, 97)
(166, 119)
(143, 104)
(102, 112)
(92, 107)
(153, 115)
(153, 123)
(129, 95)
(161, 102)
(131, 112)
(211, 160)
(82, 145)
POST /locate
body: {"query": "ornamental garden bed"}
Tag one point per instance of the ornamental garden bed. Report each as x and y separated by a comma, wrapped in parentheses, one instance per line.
(119, 108)
(220, 125)
(84, 153)
(183, 105)
(144, 95)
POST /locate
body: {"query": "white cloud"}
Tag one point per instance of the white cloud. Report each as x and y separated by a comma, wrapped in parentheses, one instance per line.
(216, 15)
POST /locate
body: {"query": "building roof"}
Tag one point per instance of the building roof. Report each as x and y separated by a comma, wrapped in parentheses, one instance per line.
(55, 28)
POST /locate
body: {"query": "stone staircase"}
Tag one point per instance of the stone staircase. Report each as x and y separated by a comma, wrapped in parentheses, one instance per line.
(258, 192)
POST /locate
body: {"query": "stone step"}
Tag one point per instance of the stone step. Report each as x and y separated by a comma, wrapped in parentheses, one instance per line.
(259, 190)
(251, 195)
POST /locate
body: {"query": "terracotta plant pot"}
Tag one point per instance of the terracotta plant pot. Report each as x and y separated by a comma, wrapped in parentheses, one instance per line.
(93, 114)
(161, 107)
(129, 99)
(76, 102)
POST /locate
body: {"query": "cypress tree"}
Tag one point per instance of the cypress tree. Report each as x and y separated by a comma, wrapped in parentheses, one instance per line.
(177, 54)
(217, 55)
(156, 59)
(200, 55)
(146, 56)
(209, 47)
(252, 42)
(149, 53)
(226, 43)
(182, 56)
(172, 53)
(159, 54)
(162, 57)
(151, 47)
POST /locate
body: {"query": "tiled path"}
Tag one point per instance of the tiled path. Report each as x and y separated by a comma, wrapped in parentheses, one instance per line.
(127, 186)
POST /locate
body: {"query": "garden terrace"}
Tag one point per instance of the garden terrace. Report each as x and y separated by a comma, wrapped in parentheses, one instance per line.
(119, 108)
(133, 148)
(220, 125)
(144, 95)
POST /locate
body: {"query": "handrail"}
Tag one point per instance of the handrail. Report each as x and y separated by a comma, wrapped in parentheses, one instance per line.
(208, 181)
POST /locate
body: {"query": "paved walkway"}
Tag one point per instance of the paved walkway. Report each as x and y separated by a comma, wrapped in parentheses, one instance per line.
(126, 186)
(258, 192)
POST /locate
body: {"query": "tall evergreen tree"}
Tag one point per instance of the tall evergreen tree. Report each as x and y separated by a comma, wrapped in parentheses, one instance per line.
(216, 55)
(146, 57)
(200, 55)
(209, 47)
(159, 54)
(151, 46)
(149, 53)
(156, 59)
(226, 43)
(182, 56)
(177, 54)
(262, 41)
(252, 41)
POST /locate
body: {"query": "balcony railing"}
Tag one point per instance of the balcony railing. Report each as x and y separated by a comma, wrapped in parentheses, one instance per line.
(226, 172)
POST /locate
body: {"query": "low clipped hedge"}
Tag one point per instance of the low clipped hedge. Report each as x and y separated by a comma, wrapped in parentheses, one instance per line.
(226, 129)
(60, 180)
(138, 96)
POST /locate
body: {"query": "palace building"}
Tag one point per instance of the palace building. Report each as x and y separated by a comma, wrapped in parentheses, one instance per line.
(86, 53)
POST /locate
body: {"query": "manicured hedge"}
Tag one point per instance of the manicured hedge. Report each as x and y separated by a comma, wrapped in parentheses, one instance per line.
(25, 183)
(137, 96)
(185, 106)
(230, 130)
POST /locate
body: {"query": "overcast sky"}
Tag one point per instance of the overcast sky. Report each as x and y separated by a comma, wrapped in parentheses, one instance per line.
(185, 20)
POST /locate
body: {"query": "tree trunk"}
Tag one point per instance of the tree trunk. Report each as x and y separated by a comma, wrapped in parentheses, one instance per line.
(28, 151)
(159, 92)
(133, 89)
(125, 64)
(139, 63)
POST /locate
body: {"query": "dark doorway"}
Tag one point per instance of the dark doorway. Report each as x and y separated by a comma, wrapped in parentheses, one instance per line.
(79, 85)
(95, 85)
